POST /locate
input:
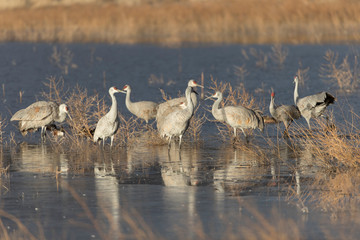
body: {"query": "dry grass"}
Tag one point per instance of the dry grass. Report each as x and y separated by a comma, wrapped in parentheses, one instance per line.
(342, 75)
(335, 149)
(174, 22)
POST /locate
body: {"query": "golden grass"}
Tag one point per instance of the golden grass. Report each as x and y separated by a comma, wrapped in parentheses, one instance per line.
(173, 22)
(334, 148)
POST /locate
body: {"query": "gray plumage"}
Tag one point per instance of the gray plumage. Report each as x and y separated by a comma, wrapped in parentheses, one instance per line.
(237, 116)
(312, 106)
(283, 113)
(40, 115)
(177, 121)
(108, 124)
(144, 109)
(166, 107)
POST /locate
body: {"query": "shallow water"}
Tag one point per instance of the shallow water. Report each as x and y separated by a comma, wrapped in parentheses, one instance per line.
(204, 188)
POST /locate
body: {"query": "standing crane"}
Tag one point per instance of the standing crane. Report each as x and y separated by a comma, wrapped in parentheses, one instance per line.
(40, 114)
(145, 109)
(283, 113)
(177, 121)
(108, 124)
(165, 107)
(236, 116)
(312, 106)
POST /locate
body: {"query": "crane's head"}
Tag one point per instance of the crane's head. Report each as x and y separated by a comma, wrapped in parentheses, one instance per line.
(113, 90)
(63, 108)
(126, 89)
(296, 79)
(182, 105)
(216, 95)
(193, 83)
(272, 94)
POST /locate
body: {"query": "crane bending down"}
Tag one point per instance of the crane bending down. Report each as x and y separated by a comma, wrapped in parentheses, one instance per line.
(177, 121)
(312, 106)
(108, 124)
(283, 113)
(166, 107)
(236, 116)
(144, 109)
(40, 115)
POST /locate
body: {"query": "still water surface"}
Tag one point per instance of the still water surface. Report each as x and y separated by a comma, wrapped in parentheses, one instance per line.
(208, 188)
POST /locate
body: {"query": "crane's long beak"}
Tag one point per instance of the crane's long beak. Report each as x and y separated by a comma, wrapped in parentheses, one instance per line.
(198, 85)
(69, 115)
(122, 91)
(209, 97)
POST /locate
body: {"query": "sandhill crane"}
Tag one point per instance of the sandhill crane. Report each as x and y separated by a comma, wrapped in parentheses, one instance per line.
(237, 116)
(144, 109)
(165, 107)
(177, 121)
(108, 124)
(312, 106)
(40, 115)
(283, 113)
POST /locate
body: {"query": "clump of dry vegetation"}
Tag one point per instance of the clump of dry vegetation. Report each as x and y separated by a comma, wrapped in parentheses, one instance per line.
(342, 75)
(62, 59)
(335, 149)
(173, 22)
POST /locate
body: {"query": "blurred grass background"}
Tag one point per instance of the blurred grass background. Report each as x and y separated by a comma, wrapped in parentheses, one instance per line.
(176, 22)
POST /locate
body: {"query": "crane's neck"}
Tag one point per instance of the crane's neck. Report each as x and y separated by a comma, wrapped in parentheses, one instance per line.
(113, 110)
(61, 116)
(190, 105)
(216, 112)
(127, 99)
(272, 107)
(296, 94)
(193, 97)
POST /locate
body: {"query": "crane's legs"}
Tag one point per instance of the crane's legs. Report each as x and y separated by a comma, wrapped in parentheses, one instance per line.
(43, 133)
(180, 137)
(169, 144)
(111, 140)
(246, 137)
(308, 122)
(234, 137)
(286, 132)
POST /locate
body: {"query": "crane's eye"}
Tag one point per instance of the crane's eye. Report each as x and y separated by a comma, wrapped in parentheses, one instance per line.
(115, 88)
